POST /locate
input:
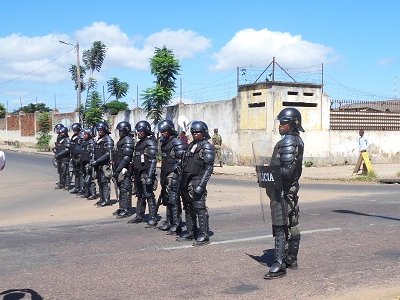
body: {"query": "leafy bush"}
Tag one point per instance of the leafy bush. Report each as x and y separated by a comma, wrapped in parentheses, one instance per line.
(115, 106)
(308, 163)
(44, 125)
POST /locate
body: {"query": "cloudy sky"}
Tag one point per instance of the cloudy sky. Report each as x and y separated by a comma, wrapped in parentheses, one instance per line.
(355, 41)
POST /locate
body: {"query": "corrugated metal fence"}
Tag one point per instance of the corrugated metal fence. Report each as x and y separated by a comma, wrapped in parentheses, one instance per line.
(367, 115)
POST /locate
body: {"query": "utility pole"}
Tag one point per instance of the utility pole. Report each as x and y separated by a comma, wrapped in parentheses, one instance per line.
(78, 77)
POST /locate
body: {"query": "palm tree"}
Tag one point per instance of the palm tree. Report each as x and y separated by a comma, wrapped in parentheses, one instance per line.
(93, 59)
(117, 88)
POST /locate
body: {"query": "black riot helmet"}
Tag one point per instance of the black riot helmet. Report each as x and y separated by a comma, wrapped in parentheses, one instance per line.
(143, 126)
(63, 130)
(89, 132)
(58, 127)
(102, 125)
(200, 126)
(167, 125)
(292, 116)
(76, 127)
(124, 127)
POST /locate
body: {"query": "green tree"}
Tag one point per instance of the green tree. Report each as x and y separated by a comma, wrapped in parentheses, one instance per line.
(74, 76)
(2, 111)
(115, 106)
(165, 67)
(117, 88)
(33, 107)
(92, 111)
(44, 128)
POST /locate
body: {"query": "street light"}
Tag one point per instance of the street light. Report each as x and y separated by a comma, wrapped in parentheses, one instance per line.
(78, 75)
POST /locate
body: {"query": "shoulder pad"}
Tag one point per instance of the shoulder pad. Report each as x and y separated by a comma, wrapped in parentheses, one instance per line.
(151, 141)
(208, 153)
(288, 140)
(151, 148)
(108, 142)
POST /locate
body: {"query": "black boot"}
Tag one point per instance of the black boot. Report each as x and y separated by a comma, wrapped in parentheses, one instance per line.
(202, 233)
(188, 234)
(123, 204)
(175, 220)
(152, 212)
(124, 213)
(166, 225)
(293, 250)
(101, 200)
(278, 268)
(106, 196)
(140, 209)
(92, 191)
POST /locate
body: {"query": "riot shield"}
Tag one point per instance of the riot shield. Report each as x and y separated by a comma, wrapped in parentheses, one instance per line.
(267, 176)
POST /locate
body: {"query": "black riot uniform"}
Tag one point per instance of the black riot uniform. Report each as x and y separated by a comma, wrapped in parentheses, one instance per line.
(88, 173)
(144, 172)
(172, 150)
(102, 152)
(288, 154)
(122, 169)
(57, 128)
(62, 154)
(197, 165)
(76, 152)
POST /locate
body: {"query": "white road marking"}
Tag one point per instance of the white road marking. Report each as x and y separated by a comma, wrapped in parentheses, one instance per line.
(254, 238)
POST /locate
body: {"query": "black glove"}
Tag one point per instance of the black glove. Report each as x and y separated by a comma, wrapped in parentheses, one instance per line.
(199, 190)
(56, 156)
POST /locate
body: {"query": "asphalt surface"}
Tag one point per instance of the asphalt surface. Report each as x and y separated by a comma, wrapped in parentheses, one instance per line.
(347, 242)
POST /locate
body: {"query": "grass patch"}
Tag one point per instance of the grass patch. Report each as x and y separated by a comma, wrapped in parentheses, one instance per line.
(371, 176)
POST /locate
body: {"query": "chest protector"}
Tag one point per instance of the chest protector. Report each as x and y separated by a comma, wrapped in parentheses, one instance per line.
(119, 153)
(76, 145)
(141, 158)
(87, 150)
(100, 148)
(193, 162)
(61, 145)
(169, 158)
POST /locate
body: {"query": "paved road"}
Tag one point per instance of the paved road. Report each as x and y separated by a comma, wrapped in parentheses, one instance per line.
(348, 243)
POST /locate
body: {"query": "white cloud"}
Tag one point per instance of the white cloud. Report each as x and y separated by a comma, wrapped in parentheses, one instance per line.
(42, 56)
(124, 51)
(38, 59)
(252, 47)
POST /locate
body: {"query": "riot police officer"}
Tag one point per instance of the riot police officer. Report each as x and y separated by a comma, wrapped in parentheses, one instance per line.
(102, 151)
(76, 152)
(89, 186)
(122, 169)
(288, 155)
(62, 154)
(144, 172)
(57, 128)
(172, 150)
(197, 165)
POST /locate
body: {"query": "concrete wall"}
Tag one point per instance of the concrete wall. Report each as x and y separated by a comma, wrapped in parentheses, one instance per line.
(240, 125)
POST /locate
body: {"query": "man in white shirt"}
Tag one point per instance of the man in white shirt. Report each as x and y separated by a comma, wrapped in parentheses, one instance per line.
(362, 142)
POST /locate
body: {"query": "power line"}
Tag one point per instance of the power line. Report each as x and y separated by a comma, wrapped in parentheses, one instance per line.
(42, 66)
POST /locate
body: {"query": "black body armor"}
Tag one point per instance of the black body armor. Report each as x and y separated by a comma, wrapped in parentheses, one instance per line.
(102, 149)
